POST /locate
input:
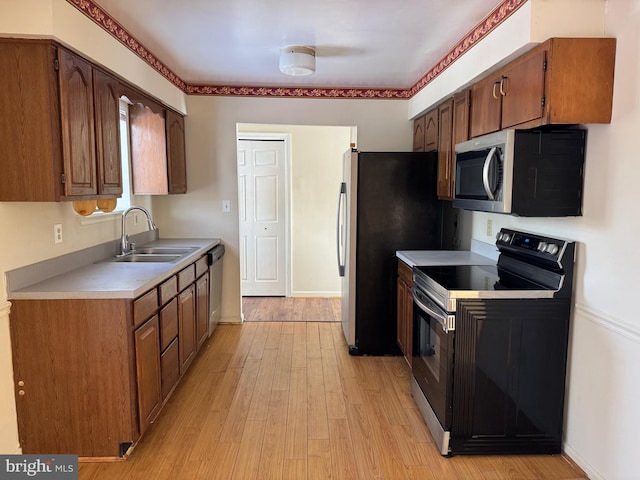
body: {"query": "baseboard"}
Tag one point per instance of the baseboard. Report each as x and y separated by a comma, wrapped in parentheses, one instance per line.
(573, 456)
(232, 319)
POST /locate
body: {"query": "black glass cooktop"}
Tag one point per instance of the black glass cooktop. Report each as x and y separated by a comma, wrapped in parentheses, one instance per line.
(476, 278)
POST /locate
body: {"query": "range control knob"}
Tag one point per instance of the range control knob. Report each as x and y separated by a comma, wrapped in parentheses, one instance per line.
(506, 238)
(552, 249)
(542, 246)
(499, 236)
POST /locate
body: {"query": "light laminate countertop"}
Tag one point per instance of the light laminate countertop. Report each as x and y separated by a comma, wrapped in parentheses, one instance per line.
(104, 279)
(435, 258)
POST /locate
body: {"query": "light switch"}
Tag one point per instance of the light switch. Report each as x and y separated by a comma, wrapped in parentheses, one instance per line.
(226, 206)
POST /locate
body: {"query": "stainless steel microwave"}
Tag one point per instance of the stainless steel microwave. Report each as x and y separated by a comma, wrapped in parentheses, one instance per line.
(533, 173)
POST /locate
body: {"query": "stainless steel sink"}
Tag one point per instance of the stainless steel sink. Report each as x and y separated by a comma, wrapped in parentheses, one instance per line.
(164, 250)
(148, 258)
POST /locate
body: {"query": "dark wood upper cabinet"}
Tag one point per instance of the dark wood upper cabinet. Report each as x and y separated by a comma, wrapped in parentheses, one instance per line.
(148, 150)
(107, 117)
(61, 118)
(78, 125)
(176, 157)
(445, 150)
(561, 81)
(418, 134)
(31, 153)
(486, 110)
(431, 130)
(425, 132)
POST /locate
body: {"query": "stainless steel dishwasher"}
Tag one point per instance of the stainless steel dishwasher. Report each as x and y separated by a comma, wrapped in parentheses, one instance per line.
(214, 259)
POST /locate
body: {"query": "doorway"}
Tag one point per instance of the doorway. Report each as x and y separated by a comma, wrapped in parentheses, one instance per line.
(314, 173)
(263, 214)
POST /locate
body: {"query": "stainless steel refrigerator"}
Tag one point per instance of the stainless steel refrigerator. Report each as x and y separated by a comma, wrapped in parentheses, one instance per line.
(387, 202)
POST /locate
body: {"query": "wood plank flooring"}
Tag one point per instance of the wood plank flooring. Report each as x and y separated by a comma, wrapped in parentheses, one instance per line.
(291, 309)
(284, 400)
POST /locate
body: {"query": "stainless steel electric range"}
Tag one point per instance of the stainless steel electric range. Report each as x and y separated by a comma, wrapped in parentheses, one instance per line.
(490, 347)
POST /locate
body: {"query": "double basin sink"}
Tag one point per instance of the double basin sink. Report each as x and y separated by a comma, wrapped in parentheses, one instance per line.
(155, 255)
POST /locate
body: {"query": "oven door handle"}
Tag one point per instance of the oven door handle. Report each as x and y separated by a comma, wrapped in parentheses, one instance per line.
(427, 305)
(485, 173)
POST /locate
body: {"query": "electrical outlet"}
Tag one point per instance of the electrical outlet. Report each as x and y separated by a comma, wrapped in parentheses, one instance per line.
(226, 206)
(57, 233)
(489, 227)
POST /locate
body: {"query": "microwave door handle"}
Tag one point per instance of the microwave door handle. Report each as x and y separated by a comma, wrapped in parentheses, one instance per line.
(485, 173)
(341, 196)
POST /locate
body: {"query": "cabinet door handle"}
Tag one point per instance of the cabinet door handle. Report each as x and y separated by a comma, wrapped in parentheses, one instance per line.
(495, 96)
(502, 92)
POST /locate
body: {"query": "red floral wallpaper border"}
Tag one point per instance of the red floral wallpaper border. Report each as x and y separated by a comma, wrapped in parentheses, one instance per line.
(490, 22)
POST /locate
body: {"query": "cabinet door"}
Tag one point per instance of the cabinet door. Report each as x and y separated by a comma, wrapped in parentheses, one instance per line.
(187, 327)
(401, 316)
(202, 309)
(445, 153)
(431, 131)
(522, 89)
(77, 124)
(148, 149)
(31, 162)
(170, 367)
(176, 156)
(486, 106)
(418, 134)
(461, 103)
(107, 118)
(147, 344)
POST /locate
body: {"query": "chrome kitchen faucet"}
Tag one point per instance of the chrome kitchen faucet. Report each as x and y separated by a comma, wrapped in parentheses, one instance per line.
(124, 242)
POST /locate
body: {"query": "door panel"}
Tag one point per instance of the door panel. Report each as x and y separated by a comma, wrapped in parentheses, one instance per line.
(261, 212)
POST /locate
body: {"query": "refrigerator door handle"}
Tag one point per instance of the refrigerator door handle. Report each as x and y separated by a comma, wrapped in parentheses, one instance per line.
(341, 195)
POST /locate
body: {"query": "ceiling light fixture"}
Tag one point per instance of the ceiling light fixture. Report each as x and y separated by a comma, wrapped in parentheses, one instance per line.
(297, 61)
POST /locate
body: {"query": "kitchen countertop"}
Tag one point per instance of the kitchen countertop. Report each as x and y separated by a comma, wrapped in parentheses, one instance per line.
(104, 279)
(434, 258)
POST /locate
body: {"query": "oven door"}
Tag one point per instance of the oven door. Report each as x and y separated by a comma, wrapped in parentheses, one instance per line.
(432, 364)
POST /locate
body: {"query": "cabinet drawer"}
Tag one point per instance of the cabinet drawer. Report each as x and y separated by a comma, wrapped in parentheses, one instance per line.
(186, 277)
(405, 273)
(144, 307)
(168, 290)
(201, 266)
(168, 323)
(170, 368)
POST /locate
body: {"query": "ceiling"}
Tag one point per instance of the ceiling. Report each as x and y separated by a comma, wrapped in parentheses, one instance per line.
(359, 43)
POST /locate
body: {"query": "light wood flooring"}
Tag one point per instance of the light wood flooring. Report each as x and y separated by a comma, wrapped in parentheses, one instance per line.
(292, 309)
(284, 400)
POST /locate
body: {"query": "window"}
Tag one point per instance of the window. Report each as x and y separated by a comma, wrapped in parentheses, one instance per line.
(124, 201)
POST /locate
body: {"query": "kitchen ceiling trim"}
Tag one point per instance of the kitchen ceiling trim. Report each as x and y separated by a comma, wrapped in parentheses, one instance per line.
(498, 15)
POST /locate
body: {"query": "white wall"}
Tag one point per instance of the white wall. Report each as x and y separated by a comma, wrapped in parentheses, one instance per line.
(602, 418)
(316, 172)
(211, 166)
(28, 227)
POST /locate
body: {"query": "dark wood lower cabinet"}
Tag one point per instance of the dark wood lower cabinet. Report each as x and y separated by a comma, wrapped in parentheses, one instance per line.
(187, 327)
(91, 375)
(147, 345)
(405, 310)
(74, 375)
(170, 368)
